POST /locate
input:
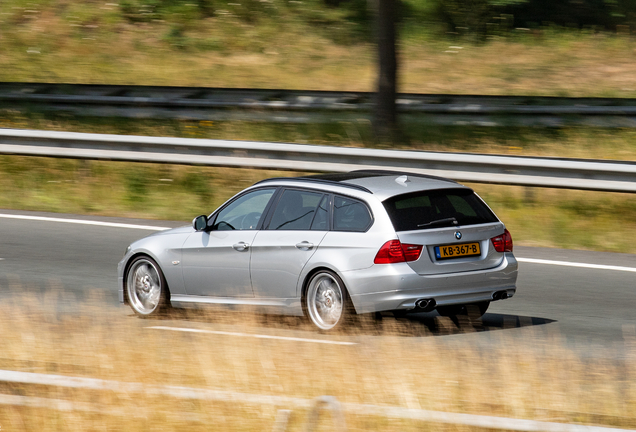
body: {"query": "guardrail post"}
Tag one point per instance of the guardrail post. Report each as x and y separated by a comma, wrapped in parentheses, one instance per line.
(337, 414)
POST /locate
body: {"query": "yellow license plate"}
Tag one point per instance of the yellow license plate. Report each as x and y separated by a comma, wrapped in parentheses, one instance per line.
(457, 251)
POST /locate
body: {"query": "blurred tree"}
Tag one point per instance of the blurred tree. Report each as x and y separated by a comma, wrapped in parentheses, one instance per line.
(385, 124)
(477, 17)
(599, 14)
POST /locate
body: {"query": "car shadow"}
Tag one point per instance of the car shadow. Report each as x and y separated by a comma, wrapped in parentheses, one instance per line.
(385, 324)
(436, 325)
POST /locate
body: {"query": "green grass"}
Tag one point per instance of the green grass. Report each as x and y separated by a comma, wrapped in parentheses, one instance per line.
(536, 217)
(564, 218)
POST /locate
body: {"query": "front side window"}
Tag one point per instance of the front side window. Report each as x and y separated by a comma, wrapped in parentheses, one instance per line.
(350, 215)
(296, 210)
(437, 208)
(244, 212)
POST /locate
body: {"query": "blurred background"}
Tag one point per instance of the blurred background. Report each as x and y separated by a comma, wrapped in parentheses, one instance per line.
(565, 48)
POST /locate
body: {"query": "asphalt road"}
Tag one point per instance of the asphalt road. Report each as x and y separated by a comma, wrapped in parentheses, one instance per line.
(591, 308)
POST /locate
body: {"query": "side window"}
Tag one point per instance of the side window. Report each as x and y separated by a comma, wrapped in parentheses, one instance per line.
(350, 215)
(295, 210)
(244, 212)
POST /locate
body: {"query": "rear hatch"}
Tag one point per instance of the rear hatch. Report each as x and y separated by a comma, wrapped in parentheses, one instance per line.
(454, 226)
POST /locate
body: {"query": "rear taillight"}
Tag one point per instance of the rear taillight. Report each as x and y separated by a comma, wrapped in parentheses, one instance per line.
(394, 251)
(502, 243)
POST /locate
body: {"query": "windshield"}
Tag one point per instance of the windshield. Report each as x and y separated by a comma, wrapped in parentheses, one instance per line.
(437, 208)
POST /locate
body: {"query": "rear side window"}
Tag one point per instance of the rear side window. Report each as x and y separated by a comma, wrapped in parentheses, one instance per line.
(437, 208)
(350, 215)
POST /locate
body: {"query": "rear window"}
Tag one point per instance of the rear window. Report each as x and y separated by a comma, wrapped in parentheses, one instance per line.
(437, 208)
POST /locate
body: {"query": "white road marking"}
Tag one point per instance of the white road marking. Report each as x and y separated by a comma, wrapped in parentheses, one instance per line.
(84, 222)
(258, 336)
(158, 228)
(575, 264)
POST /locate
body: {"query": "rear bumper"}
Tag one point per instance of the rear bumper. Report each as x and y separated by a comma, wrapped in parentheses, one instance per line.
(397, 286)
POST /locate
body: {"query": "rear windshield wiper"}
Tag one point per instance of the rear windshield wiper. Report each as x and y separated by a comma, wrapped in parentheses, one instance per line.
(439, 222)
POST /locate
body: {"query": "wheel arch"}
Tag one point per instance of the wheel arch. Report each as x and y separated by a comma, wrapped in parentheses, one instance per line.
(308, 277)
(127, 267)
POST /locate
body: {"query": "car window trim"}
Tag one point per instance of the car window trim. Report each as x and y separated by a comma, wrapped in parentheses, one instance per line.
(327, 196)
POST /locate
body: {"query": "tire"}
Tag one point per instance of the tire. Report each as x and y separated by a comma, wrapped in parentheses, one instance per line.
(146, 287)
(326, 302)
(473, 310)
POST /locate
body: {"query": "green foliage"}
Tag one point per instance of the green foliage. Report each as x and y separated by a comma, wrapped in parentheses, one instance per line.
(198, 183)
(476, 17)
(136, 183)
(176, 37)
(466, 16)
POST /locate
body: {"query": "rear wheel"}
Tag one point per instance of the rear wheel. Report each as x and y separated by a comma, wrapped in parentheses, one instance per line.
(326, 301)
(473, 310)
(146, 287)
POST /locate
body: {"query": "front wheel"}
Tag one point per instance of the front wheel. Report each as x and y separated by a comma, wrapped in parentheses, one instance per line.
(326, 301)
(146, 287)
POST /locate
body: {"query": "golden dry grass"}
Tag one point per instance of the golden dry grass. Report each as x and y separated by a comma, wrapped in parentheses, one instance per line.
(396, 363)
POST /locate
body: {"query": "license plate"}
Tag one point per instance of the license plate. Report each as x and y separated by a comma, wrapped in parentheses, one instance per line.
(457, 251)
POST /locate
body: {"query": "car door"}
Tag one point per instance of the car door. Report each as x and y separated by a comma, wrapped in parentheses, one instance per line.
(281, 250)
(217, 262)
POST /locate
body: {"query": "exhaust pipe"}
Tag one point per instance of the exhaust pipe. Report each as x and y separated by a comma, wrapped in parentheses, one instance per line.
(500, 295)
(425, 305)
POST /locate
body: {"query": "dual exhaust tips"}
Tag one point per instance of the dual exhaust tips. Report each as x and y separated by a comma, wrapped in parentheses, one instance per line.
(500, 295)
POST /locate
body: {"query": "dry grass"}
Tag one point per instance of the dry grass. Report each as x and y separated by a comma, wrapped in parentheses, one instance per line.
(533, 378)
(79, 43)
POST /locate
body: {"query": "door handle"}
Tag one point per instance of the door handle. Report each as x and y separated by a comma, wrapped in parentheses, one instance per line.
(241, 246)
(305, 245)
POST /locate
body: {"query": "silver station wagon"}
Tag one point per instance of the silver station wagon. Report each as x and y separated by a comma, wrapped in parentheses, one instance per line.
(330, 246)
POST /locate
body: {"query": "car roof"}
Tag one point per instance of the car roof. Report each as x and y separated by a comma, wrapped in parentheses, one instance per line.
(383, 184)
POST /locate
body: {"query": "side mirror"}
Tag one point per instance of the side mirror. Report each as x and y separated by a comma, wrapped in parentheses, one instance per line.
(200, 223)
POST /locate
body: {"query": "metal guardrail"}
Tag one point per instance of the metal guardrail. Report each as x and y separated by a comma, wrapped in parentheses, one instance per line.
(612, 176)
(473, 420)
(303, 106)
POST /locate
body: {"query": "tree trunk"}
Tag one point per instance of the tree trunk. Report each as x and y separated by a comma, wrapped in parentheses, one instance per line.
(385, 119)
